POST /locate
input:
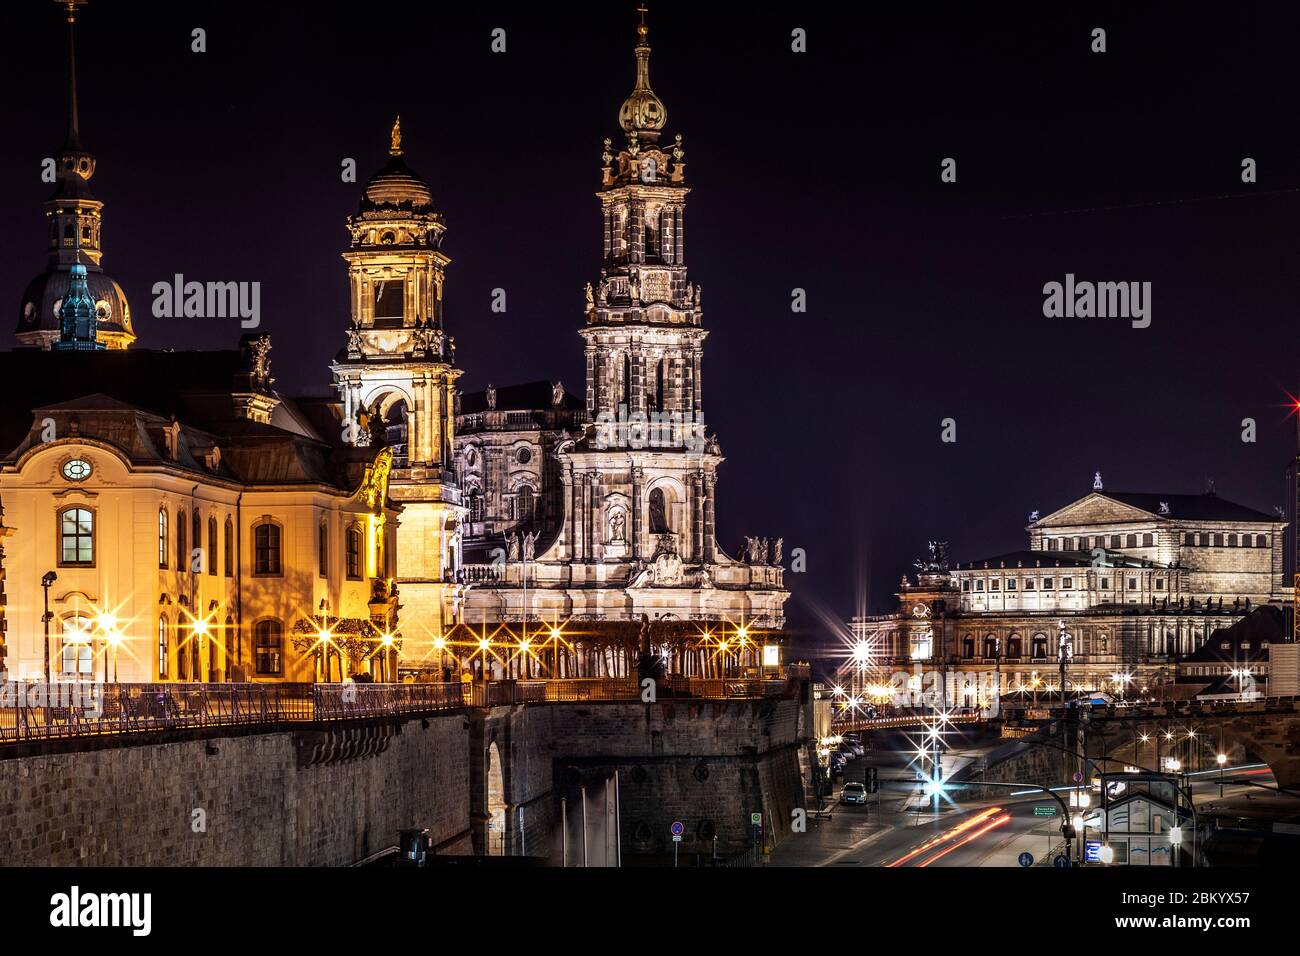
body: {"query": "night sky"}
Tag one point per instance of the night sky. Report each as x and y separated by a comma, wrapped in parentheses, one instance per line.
(817, 170)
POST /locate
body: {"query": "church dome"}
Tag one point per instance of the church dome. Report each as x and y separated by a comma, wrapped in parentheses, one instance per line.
(396, 184)
(39, 317)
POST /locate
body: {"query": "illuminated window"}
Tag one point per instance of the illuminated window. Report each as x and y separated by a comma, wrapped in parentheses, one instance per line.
(211, 556)
(354, 552)
(162, 648)
(266, 549)
(196, 561)
(162, 537)
(77, 653)
(323, 548)
(182, 552)
(76, 537)
(229, 548)
(268, 641)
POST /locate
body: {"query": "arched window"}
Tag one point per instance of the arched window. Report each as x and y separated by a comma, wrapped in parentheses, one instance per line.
(162, 537)
(1132, 541)
(1261, 541)
(990, 646)
(475, 506)
(229, 548)
(1114, 541)
(323, 548)
(967, 647)
(76, 537)
(77, 650)
(1038, 646)
(1218, 540)
(1232, 540)
(658, 512)
(162, 647)
(268, 638)
(182, 552)
(524, 503)
(1148, 540)
(196, 536)
(266, 549)
(1013, 647)
(1189, 538)
(354, 552)
(627, 379)
(210, 559)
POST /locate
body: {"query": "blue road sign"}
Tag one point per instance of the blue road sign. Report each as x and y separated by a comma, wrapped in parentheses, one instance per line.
(1026, 859)
(677, 828)
(1061, 860)
(1092, 851)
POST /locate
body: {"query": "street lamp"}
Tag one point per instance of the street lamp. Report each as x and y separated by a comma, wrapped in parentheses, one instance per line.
(1222, 760)
(47, 581)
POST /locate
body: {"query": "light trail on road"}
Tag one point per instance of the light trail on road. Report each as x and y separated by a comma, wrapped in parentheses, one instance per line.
(993, 824)
(956, 831)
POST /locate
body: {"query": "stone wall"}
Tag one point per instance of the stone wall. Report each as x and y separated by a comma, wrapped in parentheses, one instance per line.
(482, 781)
(290, 798)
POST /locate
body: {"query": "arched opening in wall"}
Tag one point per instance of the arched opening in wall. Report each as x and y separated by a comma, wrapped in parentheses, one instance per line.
(389, 301)
(658, 512)
(496, 802)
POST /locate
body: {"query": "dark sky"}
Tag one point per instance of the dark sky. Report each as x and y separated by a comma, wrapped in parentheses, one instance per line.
(817, 170)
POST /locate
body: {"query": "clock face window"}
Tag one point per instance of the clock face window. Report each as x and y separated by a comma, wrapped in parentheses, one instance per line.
(78, 469)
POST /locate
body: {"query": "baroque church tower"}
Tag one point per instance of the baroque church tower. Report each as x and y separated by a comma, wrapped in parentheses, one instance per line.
(635, 532)
(75, 246)
(396, 381)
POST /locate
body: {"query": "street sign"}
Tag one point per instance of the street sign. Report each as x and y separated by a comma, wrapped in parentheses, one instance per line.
(678, 829)
(677, 838)
(756, 819)
(1092, 851)
(1026, 859)
(1078, 777)
(1061, 861)
(1044, 811)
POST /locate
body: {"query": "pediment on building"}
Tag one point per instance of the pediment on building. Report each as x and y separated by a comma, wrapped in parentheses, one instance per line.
(1094, 509)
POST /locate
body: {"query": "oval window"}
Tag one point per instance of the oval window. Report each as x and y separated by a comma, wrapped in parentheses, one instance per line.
(78, 469)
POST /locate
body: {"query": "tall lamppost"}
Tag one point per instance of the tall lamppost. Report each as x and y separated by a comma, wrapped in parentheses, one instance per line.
(47, 582)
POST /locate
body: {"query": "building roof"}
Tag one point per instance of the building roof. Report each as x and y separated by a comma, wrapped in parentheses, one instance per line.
(1245, 639)
(1205, 507)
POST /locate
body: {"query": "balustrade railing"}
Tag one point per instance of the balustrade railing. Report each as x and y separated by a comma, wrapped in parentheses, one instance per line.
(31, 711)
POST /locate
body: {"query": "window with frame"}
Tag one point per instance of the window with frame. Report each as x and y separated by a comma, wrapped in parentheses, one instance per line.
(1029, 584)
(77, 537)
(268, 646)
(1132, 584)
(1148, 540)
(353, 551)
(979, 585)
(965, 586)
(162, 647)
(77, 648)
(1047, 584)
(266, 549)
(163, 542)
(1105, 584)
(323, 549)
(229, 549)
(1131, 541)
(1189, 538)
(210, 559)
(1261, 541)
(1011, 584)
(995, 585)
(1114, 541)
(1067, 583)
(182, 552)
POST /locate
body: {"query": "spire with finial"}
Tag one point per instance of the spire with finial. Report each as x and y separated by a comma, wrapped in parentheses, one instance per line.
(395, 138)
(643, 114)
(70, 6)
(78, 323)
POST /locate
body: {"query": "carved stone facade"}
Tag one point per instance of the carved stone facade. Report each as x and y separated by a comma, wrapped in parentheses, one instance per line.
(620, 491)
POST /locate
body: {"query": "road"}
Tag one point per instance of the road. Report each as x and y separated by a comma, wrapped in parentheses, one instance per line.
(893, 829)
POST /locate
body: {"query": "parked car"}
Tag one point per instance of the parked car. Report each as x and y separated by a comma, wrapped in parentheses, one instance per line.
(853, 793)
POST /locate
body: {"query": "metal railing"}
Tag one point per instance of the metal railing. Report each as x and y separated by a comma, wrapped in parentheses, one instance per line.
(35, 712)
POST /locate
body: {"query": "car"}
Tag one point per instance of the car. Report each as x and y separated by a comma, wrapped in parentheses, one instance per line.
(853, 793)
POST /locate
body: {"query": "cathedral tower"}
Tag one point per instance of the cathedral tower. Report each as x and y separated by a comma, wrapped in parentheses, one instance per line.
(396, 381)
(75, 237)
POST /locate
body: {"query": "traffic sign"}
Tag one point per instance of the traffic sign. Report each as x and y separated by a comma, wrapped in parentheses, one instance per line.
(756, 819)
(1061, 861)
(1044, 811)
(1078, 776)
(1092, 851)
(677, 838)
(1026, 859)
(678, 829)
